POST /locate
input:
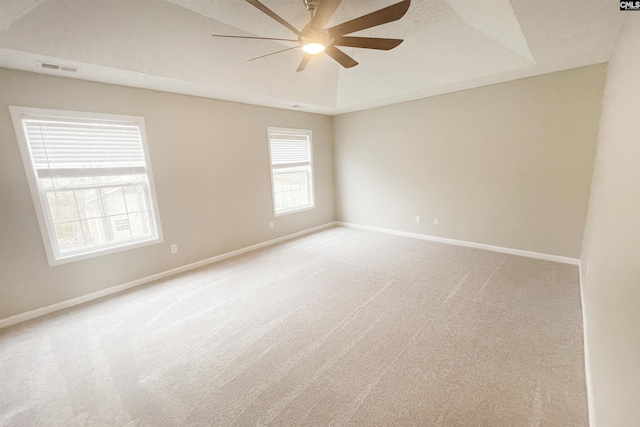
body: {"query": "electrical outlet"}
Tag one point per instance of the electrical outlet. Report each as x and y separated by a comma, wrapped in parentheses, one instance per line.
(436, 221)
(174, 249)
(271, 225)
(418, 219)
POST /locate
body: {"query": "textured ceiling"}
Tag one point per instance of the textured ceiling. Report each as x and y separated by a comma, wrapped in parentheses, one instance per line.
(166, 45)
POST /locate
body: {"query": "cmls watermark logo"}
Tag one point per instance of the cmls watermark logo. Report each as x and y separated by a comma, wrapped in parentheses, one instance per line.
(630, 5)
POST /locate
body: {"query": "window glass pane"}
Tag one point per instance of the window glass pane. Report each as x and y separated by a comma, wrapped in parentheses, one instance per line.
(69, 236)
(62, 205)
(119, 227)
(122, 224)
(140, 224)
(95, 232)
(277, 183)
(113, 200)
(89, 203)
(279, 201)
(136, 198)
(291, 188)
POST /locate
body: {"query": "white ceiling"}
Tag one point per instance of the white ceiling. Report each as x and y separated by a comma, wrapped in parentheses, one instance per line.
(167, 45)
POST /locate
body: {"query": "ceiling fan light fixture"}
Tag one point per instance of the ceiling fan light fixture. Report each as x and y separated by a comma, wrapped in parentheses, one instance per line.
(313, 48)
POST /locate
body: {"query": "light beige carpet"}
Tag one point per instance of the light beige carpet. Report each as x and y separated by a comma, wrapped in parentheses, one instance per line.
(342, 327)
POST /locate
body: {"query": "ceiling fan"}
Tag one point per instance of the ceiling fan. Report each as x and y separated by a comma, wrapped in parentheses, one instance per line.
(314, 38)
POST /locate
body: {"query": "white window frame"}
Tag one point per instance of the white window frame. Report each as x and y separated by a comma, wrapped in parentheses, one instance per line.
(47, 230)
(273, 167)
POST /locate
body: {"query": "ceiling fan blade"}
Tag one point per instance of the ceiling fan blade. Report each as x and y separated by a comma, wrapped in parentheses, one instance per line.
(303, 63)
(323, 14)
(379, 17)
(272, 53)
(275, 16)
(367, 42)
(340, 57)
(253, 38)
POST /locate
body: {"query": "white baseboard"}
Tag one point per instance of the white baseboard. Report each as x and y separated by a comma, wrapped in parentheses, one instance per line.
(12, 320)
(518, 252)
(587, 363)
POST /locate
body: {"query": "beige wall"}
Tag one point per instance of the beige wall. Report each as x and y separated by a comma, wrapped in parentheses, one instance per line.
(211, 170)
(611, 254)
(508, 165)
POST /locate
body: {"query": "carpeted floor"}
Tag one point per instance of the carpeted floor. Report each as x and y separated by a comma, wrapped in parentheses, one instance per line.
(342, 327)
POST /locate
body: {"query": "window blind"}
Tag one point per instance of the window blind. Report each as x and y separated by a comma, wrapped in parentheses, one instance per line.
(75, 147)
(287, 148)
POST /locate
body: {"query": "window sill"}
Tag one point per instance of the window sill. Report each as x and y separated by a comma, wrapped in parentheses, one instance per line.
(105, 250)
(291, 211)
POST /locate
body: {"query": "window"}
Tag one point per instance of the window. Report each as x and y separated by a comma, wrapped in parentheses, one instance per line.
(90, 180)
(291, 170)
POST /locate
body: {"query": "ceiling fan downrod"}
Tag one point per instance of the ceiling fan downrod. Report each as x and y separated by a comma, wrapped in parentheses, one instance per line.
(311, 6)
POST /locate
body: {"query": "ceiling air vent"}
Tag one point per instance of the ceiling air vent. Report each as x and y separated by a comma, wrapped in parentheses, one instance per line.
(57, 67)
